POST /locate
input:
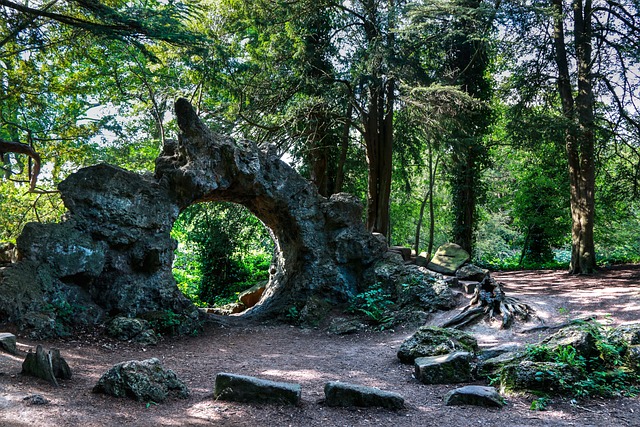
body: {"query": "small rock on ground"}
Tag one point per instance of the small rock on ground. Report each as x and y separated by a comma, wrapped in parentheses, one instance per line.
(474, 395)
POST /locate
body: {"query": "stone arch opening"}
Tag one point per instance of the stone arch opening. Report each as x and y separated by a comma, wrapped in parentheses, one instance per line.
(113, 253)
(223, 256)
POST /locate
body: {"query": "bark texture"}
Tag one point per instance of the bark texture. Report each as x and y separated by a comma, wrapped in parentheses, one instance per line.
(579, 136)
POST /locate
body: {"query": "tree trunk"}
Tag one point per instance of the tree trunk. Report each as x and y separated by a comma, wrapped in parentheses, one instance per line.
(379, 144)
(579, 136)
(344, 148)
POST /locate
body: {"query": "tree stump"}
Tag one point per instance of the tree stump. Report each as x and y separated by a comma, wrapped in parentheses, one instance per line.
(46, 365)
(490, 300)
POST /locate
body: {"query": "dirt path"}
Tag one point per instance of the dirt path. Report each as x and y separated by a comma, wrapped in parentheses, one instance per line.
(313, 357)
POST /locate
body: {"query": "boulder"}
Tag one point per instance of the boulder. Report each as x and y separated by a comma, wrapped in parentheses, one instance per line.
(447, 369)
(251, 296)
(403, 251)
(474, 395)
(342, 326)
(131, 329)
(412, 286)
(632, 358)
(241, 388)
(8, 343)
(628, 333)
(145, 381)
(49, 366)
(549, 377)
(434, 341)
(575, 336)
(498, 350)
(345, 394)
(488, 368)
(448, 258)
(471, 272)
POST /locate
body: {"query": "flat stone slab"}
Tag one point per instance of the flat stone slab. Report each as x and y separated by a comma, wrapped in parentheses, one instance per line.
(241, 388)
(474, 395)
(344, 394)
(8, 342)
(447, 369)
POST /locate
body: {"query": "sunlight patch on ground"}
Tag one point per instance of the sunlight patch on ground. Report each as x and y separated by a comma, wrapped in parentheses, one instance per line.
(299, 375)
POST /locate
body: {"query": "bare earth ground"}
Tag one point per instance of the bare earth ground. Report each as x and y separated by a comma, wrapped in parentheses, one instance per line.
(312, 357)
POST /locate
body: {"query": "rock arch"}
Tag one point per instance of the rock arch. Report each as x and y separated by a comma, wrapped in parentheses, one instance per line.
(113, 253)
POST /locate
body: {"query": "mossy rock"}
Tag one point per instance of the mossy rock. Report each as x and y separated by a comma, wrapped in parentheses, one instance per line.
(580, 338)
(433, 341)
(548, 377)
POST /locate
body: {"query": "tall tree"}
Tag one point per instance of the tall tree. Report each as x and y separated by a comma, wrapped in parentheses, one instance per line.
(591, 48)
(461, 54)
(578, 109)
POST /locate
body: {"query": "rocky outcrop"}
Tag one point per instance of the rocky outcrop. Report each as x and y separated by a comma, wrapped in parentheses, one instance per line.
(112, 255)
(433, 341)
(145, 381)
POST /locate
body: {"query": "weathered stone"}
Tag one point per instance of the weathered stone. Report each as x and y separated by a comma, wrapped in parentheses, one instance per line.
(471, 272)
(447, 369)
(448, 258)
(46, 365)
(36, 399)
(628, 333)
(632, 358)
(8, 253)
(68, 251)
(526, 375)
(131, 329)
(413, 286)
(421, 260)
(474, 395)
(113, 253)
(241, 388)
(227, 309)
(498, 350)
(8, 343)
(345, 394)
(453, 282)
(144, 380)
(490, 367)
(580, 339)
(403, 251)
(434, 341)
(251, 296)
(342, 326)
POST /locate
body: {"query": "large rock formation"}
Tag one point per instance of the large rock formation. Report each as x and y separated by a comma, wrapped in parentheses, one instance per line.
(112, 255)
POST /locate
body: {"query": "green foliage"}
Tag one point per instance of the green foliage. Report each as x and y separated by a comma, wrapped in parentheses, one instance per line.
(374, 304)
(602, 374)
(223, 250)
(540, 404)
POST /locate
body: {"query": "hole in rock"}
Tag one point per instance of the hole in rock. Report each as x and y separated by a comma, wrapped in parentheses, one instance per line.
(223, 250)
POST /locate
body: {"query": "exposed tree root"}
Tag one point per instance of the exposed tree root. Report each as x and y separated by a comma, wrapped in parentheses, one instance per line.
(489, 300)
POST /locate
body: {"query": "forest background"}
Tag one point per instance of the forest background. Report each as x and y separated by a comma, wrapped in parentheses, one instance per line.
(509, 127)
